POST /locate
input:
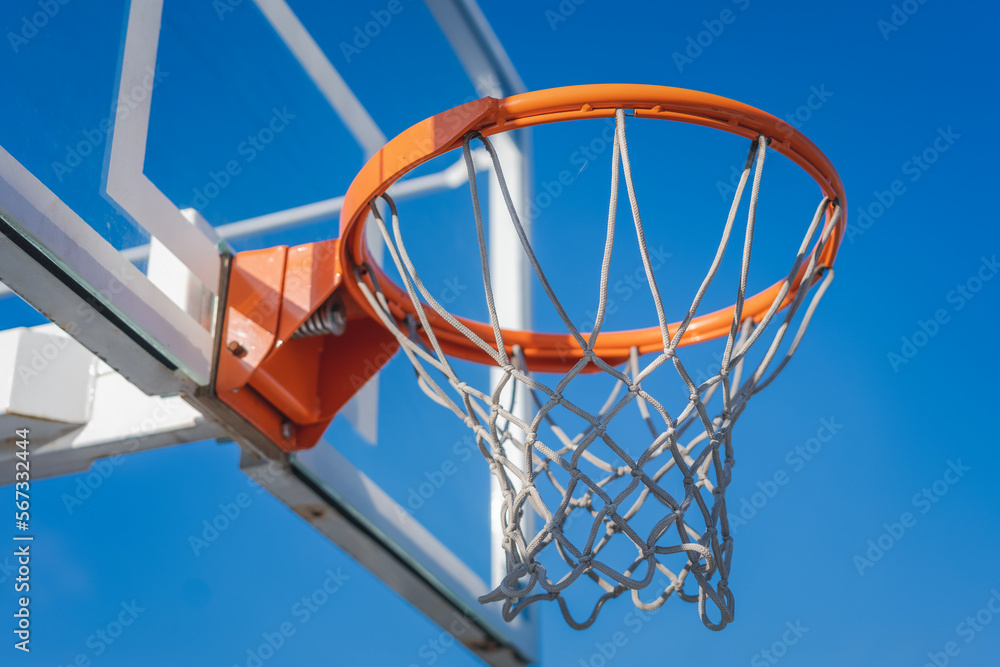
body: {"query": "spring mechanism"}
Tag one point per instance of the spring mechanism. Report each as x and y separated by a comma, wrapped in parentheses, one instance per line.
(329, 318)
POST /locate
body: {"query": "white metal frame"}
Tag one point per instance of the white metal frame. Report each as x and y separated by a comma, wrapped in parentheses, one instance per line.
(125, 184)
(122, 419)
(90, 290)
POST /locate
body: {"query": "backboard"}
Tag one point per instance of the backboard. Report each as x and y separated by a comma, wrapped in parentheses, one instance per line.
(183, 132)
(198, 132)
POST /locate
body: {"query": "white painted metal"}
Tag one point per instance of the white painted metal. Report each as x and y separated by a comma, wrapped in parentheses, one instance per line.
(447, 179)
(491, 70)
(46, 384)
(109, 416)
(477, 46)
(512, 292)
(92, 266)
(125, 182)
(323, 74)
(175, 279)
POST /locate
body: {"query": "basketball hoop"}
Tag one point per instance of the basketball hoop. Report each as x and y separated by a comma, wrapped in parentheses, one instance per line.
(693, 528)
(446, 131)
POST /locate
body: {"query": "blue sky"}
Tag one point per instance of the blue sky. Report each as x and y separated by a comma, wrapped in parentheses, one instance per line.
(863, 440)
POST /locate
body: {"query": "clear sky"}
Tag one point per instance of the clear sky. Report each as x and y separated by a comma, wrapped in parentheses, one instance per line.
(881, 545)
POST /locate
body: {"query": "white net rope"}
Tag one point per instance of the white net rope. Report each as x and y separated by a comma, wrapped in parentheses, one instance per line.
(683, 467)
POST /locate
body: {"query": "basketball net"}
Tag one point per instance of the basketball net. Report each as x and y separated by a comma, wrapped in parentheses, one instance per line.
(682, 468)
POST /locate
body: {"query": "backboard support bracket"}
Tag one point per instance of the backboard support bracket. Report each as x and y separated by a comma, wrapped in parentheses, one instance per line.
(291, 386)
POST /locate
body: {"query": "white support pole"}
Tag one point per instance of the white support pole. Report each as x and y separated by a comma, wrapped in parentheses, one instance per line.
(492, 73)
(512, 290)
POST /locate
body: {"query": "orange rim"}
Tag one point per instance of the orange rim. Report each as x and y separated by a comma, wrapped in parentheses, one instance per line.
(553, 352)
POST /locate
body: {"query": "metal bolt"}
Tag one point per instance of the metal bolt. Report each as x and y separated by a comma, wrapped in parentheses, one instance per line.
(338, 320)
(287, 430)
(237, 349)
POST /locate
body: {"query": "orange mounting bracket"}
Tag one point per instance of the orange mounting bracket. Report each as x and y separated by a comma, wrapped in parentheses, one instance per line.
(290, 388)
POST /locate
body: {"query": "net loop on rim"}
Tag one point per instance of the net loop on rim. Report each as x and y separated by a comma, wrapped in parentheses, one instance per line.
(691, 538)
